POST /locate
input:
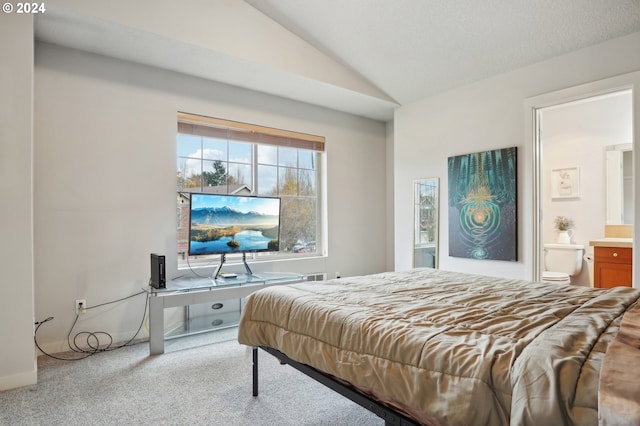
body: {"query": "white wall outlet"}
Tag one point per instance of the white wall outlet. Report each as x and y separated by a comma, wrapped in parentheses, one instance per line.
(81, 305)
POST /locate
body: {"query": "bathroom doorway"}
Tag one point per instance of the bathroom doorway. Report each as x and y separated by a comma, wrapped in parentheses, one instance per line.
(575, 138)
(562, 128)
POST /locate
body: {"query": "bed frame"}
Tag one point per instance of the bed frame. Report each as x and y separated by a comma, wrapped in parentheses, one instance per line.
(389, 415)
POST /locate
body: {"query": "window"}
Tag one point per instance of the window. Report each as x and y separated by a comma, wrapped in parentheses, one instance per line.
(226, 157)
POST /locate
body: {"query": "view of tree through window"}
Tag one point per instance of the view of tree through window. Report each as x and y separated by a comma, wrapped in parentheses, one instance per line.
(217, 164)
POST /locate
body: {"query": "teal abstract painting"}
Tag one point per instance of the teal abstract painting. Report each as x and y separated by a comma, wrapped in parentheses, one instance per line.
(482, 205)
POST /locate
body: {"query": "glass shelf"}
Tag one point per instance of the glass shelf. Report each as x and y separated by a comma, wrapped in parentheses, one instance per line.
(205, 324)
(189, 284)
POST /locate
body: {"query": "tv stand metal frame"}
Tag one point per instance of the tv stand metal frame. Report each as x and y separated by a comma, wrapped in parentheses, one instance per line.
(223, 259)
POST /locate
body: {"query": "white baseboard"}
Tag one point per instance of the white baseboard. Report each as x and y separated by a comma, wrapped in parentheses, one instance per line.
(19, 380)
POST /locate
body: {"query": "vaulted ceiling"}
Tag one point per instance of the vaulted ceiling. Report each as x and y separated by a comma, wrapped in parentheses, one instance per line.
(365, 57)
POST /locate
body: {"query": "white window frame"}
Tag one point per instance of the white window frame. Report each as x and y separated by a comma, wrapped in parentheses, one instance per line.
(297, 140)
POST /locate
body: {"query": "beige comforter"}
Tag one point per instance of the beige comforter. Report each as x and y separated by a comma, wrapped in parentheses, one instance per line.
(449, 348)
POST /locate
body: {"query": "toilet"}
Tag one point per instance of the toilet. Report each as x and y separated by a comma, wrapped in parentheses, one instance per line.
(561, 262)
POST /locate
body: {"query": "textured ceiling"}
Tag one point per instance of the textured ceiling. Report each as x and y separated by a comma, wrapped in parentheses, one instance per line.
(411, 49)
(364, 57)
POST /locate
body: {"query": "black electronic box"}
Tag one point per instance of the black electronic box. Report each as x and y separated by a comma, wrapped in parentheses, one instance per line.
(158, 273)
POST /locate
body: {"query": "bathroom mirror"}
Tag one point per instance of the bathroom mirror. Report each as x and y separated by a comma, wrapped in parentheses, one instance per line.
(619, 185)
(425, 228)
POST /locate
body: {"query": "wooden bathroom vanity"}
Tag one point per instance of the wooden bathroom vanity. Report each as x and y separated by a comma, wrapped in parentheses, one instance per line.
(612, 262)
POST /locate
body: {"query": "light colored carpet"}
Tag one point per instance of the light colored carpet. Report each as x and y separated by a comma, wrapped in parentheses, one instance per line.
(200, 380)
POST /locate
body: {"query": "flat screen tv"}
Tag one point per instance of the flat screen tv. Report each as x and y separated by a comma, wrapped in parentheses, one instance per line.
(224, 224)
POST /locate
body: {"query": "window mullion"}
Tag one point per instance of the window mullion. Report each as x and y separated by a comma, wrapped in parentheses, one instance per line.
(254, 168)
(201, 164)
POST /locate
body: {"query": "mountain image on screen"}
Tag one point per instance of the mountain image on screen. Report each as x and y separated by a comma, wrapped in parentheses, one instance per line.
(225, 216)
(233, 224)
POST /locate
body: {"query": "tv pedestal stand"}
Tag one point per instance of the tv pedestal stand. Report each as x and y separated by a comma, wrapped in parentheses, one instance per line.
(223, 258)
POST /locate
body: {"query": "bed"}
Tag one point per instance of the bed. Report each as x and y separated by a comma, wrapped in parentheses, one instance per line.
(439, 347)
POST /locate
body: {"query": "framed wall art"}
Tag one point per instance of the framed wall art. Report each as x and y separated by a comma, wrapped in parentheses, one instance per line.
(482, 205)
(565, 183)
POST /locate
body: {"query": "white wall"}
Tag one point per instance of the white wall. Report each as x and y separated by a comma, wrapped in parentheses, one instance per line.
(105, 181)
(576, 135)
(18, 367)
(389, 196)
(489, 114)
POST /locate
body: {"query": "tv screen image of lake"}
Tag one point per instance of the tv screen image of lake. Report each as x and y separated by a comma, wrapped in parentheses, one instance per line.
(227, 230)
(248, 240)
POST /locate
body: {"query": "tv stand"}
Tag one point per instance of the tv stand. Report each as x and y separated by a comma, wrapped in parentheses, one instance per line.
(223, 259)
(193, 291)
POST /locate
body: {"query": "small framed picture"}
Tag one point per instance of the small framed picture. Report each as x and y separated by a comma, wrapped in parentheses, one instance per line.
(565, 183)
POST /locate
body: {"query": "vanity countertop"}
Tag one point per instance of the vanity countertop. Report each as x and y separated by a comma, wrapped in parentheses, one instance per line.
(612, 242)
